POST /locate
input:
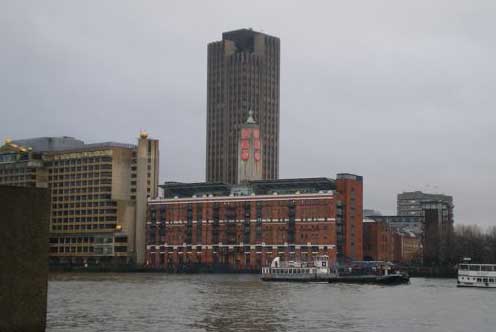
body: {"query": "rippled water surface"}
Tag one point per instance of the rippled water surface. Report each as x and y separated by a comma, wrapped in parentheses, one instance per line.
(162, 302)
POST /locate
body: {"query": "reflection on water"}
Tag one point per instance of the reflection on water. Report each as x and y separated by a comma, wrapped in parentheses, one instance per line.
(161, 302)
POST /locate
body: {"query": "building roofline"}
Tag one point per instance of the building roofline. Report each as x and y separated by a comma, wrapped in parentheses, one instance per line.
(94, 147)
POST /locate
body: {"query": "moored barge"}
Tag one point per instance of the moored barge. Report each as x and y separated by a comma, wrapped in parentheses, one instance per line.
(371, 272)
(321, 271)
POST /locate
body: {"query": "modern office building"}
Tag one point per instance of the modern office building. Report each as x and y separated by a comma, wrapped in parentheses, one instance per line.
(410, 203)
(438, 232)
(98, 194)
(437, 213)
(242, 75)
(242, 227)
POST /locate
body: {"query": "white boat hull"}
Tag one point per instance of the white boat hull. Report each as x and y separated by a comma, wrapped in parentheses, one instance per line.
(477, 284)
(477, 275)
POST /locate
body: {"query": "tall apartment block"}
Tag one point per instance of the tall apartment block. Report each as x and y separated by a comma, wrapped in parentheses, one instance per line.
(242, 75)
(98, 193)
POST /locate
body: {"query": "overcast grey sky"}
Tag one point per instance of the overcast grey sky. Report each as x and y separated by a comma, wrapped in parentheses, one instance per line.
(401, 92)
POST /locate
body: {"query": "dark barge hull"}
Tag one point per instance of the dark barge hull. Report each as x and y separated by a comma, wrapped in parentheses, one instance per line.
(392, 279)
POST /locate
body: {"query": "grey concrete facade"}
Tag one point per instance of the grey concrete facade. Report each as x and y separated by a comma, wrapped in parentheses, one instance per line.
(98, 192)
(410, 203)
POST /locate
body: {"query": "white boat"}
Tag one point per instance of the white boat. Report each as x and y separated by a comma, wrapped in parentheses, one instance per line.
(317, 270)
(477, 275)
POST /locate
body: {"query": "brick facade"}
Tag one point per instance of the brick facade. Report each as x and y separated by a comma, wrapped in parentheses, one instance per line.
(378, 240)
(350, 195)
(239, 233)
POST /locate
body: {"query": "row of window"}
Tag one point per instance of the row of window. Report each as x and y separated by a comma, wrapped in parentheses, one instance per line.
(81, 190)
(84, 249)
(55, 198)
(79, 168)
(79, 161)
(83, 212)
(17, 170)
(17, 178)
(83, 227)
(88, 175)
(491, 280)
(280, 249)
(100, 218)
(87, 184)
(83, 205)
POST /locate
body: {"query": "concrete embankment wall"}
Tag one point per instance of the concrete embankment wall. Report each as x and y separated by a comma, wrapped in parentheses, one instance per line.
(24, 216)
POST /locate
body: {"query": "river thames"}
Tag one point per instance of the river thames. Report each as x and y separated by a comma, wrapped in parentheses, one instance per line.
(216, 302)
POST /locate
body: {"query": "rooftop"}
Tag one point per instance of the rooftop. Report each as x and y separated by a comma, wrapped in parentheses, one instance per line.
(259, 187)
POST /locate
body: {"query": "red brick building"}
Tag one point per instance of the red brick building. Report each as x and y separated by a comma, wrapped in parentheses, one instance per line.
(383, 242)
(407, 248)
(350, 190)
(214, 226)
(378, 237)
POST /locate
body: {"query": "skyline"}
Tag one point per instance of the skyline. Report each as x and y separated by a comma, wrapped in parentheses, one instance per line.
(380, 72)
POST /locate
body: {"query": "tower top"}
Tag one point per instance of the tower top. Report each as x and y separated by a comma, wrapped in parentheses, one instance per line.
(250, 117)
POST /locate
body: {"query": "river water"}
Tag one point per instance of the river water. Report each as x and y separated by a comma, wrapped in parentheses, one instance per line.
(215, 302)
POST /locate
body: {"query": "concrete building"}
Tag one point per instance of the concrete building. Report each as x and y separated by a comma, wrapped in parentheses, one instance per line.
(242, 74)
(98, 194)
(437, 213)
(242, 227)
(23, 256)
(410, 203)
(438, 232)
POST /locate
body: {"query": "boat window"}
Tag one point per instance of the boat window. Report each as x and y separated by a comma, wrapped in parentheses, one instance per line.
(491, 280)
(463, 267)
(484, 280)
(475, 267)
(487, 268)
(479, 280)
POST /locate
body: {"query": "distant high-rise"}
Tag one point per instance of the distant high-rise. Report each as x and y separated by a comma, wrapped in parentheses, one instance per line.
(437, 213)
(243, 74)
(411, 203)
